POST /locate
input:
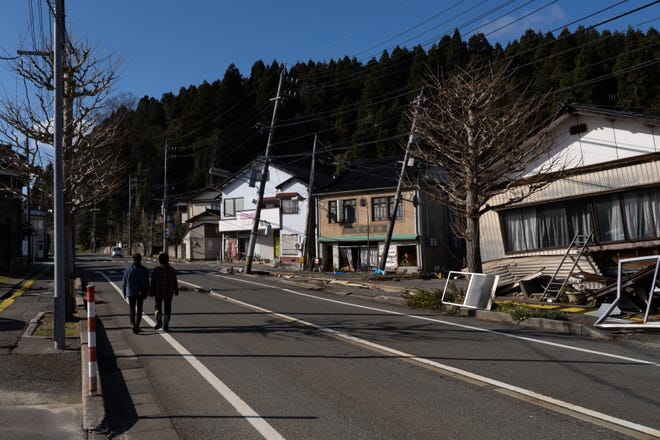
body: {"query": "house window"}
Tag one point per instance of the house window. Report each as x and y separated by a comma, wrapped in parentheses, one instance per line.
(379, 208)
(348, 210)
(609, 218)
(542, 227)
(641, 209)
(626, 216)
(390, 208)
(289, 206)
(382, 207)
(232, 206)
(332, 211)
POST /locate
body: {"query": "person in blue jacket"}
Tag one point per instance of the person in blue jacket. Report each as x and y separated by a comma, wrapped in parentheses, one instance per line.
(135, 288)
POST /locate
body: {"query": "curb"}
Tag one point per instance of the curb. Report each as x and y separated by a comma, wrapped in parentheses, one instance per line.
(32, 326)
(551, 325)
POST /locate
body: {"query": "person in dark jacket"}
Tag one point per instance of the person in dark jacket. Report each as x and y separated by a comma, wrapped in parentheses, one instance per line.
(164, 286)
(135, 287)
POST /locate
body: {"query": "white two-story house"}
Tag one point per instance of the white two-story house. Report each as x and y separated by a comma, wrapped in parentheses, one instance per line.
(284, 219)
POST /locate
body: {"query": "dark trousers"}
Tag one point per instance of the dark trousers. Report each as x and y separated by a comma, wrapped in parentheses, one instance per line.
(159, 305)
(135, 310)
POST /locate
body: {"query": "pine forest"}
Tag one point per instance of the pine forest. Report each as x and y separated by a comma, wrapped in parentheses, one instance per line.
(358, 110)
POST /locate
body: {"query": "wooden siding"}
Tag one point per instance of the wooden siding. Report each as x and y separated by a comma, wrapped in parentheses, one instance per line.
(596, 182)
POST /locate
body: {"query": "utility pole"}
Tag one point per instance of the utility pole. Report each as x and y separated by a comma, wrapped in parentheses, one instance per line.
(94, 211)
(264, 177)
(309, 260)
(59, 296)
(164, 208)
(397, 197)
(131, 190)
(28, 208)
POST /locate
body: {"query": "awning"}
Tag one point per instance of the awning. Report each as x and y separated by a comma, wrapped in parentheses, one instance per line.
(380, 237)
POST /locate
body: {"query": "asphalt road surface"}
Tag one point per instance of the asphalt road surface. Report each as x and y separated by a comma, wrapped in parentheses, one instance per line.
(248, 358)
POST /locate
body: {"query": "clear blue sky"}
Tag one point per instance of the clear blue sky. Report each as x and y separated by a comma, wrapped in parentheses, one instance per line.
(169, 44)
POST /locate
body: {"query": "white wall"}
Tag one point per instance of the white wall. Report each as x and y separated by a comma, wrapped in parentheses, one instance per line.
(604, 141)
(287, 223)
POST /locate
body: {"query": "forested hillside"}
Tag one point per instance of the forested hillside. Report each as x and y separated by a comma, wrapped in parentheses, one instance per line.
(359, 109)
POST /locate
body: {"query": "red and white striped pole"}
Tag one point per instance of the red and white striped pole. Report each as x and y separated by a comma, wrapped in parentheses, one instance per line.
(91, 341)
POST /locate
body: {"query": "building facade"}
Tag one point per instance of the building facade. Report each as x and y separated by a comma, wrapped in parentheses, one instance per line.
(202, 239)
(354, 214)
(608, 186)
(284, 217)
(13, 232)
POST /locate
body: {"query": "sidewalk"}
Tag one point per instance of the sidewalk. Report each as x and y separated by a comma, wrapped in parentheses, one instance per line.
(40, 386)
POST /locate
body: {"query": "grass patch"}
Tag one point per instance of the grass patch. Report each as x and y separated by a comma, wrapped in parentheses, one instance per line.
(45, 326)
(430, 301)
(425, 300)
(521, 312)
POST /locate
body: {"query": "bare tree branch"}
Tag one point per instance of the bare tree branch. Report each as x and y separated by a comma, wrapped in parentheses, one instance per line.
(478, 137)
(92, 170)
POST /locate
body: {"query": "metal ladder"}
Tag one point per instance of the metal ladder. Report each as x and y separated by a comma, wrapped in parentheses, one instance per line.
(580, 241)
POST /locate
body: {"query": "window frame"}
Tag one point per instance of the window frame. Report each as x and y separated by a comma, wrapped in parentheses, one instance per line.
(625, 216)
(349, 206)
(332, 211)
(235, 206)
(289, 205)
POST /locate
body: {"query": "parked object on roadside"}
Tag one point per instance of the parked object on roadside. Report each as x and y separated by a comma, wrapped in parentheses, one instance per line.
(135, 287)
(164, 286)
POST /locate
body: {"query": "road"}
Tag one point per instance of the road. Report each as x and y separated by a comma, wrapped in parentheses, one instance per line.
(247, 358)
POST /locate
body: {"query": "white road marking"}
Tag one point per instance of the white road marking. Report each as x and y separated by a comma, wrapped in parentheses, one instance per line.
(261, 425)
(464, 373)
(453, 324)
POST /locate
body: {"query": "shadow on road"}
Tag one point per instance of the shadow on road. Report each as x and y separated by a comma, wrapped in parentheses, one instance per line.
(119, 407)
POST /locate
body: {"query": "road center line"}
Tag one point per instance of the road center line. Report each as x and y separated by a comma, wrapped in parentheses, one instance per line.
(608, 419)
(261, 425)
(453, 324)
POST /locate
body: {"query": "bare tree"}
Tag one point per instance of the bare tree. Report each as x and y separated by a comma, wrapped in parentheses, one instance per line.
(479, 137)
(92, 170)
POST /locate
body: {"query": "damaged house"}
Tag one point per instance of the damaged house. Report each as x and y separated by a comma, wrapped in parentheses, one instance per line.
(604, 206)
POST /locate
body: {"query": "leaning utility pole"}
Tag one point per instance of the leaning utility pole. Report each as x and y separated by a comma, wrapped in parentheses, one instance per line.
(397, 197)
(309, 226)
(264, 177)
(59, 296)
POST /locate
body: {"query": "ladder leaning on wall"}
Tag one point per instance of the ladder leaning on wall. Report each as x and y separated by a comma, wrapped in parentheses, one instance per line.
(555, 286)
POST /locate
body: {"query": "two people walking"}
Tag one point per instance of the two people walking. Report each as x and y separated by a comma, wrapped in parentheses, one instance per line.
(163, 287)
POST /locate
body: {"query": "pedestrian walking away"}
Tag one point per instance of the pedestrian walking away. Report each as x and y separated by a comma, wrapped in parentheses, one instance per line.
(135, 287)
(164, 287)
